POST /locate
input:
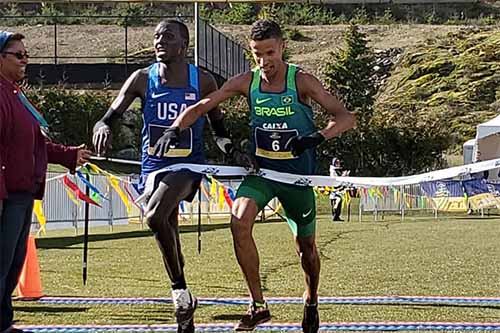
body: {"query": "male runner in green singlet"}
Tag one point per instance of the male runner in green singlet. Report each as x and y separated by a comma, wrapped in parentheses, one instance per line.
(283, 139)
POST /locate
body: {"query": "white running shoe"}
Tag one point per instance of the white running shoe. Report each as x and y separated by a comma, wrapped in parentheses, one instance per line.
(185, 304)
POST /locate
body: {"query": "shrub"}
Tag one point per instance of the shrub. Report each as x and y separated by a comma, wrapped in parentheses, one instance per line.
(360, 16)
(11, 10)
(387, 18)
(72, 114)
(132, 12)
(238, 13)
(305, 14)
(295, 34)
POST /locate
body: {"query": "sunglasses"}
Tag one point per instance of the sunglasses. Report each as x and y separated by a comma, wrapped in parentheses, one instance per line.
(19, 55)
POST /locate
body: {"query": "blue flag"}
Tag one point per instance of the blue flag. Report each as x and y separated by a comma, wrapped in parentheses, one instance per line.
(90, 186)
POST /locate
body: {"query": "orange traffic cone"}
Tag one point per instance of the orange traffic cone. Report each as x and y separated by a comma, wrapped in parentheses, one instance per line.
(29, 286)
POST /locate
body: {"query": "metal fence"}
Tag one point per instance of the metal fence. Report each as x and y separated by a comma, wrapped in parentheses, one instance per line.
(220, 54)
(217, 52)
(62, 213)
(401, 199)
(58, 29)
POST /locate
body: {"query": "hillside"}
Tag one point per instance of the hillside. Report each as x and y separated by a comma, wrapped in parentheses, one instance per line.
(312, 52)
(108, 40)
(454, 78)
(448, 72)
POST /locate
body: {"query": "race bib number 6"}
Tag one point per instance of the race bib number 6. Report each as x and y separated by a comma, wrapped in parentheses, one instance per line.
(271, 143)
(182, 149)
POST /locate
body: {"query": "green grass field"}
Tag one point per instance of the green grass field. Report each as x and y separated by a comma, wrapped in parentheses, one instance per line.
(421, 256)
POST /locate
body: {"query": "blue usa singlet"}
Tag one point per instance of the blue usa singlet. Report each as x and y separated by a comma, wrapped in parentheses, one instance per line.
(162, 105)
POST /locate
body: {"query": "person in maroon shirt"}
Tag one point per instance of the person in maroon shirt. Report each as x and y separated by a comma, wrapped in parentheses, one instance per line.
(24, 153)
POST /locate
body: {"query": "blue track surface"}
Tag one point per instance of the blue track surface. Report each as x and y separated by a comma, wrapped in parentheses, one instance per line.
(277, 327)
(291, 327)
(283, 300)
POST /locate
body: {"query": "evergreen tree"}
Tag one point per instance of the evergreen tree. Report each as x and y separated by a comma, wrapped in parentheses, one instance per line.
(349, 75)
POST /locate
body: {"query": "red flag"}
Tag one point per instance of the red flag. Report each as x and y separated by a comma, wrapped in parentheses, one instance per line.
(80, 195)
(228, 198)
(125, 186)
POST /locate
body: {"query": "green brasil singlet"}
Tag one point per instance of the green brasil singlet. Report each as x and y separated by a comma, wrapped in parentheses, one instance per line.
(276, 118)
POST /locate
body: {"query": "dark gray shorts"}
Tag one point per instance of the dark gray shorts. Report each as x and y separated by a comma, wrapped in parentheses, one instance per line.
(179, 180)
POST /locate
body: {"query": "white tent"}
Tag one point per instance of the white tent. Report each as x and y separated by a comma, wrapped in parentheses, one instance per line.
(488, 142)
(488, 128)
(488, 139)
(469, 150)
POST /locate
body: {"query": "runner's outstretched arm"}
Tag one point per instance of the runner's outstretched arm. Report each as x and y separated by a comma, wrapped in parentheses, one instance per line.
(132, 88)
(233, 87)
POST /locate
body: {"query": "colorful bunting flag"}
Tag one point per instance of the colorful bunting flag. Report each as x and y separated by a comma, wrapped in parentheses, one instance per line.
(115, 183)
(79, 194)
(38, 210)
(94, 168)
(228, 199)
(231, 193)
(126, 188)
(221, 198)
(95, 190)
(71, 196)
(213, 187)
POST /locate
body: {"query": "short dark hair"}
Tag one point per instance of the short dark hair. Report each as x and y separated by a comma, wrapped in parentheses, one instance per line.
(16, 36)
(265, 29)
(182, 28)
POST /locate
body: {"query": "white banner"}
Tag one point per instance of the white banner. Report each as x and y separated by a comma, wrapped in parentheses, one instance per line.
(310, 180)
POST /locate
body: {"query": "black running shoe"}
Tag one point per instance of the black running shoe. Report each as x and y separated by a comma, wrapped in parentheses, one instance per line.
(253, 317)
(310, 321)
(186, 327)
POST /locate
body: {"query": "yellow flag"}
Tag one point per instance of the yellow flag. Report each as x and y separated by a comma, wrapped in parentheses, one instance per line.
(115, 183)
(71, 196)
(346, 199)
(221, 197)
(277, 209)
(407, 200)
(213, 188)
(38, 210)
(94, 168)
(347, 195)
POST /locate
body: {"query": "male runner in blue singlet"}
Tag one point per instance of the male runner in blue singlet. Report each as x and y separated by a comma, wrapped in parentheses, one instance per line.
(284, 138)
(166, 89)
